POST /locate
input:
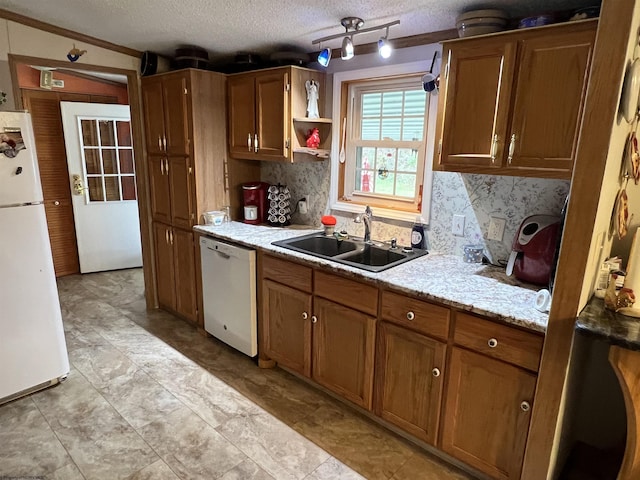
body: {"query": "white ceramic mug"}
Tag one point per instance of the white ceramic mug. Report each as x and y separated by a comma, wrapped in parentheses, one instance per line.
(250, 212)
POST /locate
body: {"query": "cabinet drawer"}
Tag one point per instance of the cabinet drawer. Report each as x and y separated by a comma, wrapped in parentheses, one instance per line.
(289, 273)
(415, 314)
(351, 293)
(498, 341)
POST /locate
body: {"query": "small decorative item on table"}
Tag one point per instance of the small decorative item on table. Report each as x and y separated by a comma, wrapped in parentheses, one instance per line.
(313, 138)
(329, 223)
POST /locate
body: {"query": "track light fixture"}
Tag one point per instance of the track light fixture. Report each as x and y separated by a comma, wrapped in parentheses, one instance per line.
(384, 47)
(353, 27)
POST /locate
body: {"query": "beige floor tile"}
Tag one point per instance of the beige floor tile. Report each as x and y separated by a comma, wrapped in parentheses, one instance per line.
(101, 364)
(334, 469)
(28, 446)
(276, 448)
(247, 470)
(356, 441)
(191, 447)
(156, 471)
(68, 472)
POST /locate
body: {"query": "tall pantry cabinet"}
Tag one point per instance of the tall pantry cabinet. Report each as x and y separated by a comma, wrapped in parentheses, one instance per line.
(188, 174)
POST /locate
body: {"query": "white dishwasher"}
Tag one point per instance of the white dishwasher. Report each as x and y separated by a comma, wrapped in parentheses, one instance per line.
(229, 294)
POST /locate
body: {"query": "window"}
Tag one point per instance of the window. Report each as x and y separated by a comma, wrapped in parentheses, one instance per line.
(386, 146)
(107, 155)
(389, 141)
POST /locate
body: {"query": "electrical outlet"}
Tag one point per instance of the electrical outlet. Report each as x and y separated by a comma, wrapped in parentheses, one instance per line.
(457, 225)
(496, 229)
(303, 206)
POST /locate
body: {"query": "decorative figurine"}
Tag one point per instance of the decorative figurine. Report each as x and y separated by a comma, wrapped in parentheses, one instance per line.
(313, 138)
(312, 98)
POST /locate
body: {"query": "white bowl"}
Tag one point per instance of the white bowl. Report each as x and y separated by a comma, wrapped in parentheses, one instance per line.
(479, 22)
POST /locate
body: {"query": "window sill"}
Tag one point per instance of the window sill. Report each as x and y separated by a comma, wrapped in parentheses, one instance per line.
(377, 211)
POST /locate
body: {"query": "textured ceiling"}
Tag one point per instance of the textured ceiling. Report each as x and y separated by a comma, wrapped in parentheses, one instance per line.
(224, 27)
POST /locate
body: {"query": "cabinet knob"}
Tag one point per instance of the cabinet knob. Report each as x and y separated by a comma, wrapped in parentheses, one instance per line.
(314, 319)
(493, 343)
(249, 141)
(56, 203)
(435, 372)
(525, 406)
(305, 315)
(512, 148)
(494, 148)
(411, 315)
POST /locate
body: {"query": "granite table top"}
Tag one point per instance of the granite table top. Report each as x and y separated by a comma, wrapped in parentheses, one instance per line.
(617, 329)
(446, 279)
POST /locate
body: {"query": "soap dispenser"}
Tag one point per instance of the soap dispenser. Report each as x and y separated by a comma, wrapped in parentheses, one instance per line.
(417, 234)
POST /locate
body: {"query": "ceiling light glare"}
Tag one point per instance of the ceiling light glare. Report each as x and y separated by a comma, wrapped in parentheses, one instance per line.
(384, 48)
(324, 57)
(347, 48)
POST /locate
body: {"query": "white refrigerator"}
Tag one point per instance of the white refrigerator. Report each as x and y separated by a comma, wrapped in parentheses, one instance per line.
(33, 353)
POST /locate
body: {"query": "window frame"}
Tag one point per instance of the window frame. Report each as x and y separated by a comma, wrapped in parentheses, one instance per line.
(341, 81)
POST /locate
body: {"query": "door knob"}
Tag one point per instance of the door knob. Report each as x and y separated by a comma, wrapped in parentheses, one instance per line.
(78, 188)
(56, 203)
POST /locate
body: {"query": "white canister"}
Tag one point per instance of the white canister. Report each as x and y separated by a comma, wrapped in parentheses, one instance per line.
(250, 212)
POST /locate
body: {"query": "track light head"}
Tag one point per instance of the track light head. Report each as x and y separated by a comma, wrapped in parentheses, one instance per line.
(324, 57)
(384, 47)
(347, 48)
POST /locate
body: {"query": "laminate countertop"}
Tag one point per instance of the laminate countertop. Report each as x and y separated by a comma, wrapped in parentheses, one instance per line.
(446, 279)
(613, 328)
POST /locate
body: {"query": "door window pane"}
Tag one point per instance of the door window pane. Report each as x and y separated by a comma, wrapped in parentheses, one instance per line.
(126, 160)
(128, 188)
(92, 160)
(109, 161)
(112, 189)
(89, 133)
(107, 135)
(124, 134)
(95, 189)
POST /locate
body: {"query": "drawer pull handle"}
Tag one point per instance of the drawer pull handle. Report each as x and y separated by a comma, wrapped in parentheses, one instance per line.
(493, 343)
(494, 149)
(411, 315)
(435, 372)
(525, 406)
(305, 315)
(249, 141)
(314, 319)
(512, 148)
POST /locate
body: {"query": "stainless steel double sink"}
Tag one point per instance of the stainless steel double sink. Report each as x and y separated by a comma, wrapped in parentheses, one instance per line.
(373, 257)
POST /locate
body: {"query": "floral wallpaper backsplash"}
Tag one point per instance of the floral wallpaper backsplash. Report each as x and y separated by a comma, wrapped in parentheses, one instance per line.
(477, 197)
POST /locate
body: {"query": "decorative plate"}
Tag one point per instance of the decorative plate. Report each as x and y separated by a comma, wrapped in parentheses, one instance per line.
(631, 91)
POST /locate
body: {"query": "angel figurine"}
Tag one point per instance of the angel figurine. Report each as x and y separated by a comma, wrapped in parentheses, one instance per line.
(312, 98)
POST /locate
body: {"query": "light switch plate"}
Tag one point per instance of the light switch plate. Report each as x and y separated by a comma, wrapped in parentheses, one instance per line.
(457, 225)
(496, 229)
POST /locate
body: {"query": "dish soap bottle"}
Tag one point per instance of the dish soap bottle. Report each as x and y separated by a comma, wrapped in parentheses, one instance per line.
(417, 234)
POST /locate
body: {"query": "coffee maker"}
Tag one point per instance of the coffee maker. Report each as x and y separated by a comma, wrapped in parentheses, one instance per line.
(254, 200)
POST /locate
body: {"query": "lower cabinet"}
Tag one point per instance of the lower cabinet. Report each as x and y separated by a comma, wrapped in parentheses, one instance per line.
(409, 380)
(175, 270)
(487, 413)
(460, 382)
(343, 350)
(286, 323)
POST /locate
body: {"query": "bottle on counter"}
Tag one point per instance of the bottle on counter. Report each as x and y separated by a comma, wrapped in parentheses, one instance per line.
(417, 234)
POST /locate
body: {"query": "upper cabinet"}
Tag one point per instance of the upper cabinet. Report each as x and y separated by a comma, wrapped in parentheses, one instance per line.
(511, 103)
(267, 115)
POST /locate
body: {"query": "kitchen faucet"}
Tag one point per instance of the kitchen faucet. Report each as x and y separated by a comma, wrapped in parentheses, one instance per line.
(367, 219)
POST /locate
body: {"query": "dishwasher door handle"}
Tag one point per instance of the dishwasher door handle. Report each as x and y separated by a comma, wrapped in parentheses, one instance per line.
(222, 254)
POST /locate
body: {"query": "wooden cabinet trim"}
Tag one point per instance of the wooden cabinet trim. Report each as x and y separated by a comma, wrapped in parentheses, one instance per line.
(511, 344)
(345, 291)
(286, 272)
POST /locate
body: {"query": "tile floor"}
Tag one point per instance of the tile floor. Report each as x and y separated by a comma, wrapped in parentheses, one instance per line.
(148, 397)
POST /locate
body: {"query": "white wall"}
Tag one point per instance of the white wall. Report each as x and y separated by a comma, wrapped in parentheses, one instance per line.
(20, 39)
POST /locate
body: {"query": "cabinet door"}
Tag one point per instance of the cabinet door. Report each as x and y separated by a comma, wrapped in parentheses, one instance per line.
(409, 380)
(164, 266)
(550, 90)
(153, 115)
(242, 114)
(176, 113)
(286, 319)
(485, 419)
(185, 273)
(181, 186)
(272, 114)
(478, 94)
(343, 350)
(159, 188)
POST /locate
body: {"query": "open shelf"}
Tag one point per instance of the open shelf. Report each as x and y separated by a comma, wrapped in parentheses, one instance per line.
(316, 152)
(312, 120)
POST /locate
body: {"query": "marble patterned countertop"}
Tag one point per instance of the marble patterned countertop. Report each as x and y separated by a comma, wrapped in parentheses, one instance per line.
(614, 328)
(446, 279)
